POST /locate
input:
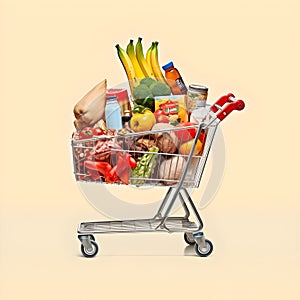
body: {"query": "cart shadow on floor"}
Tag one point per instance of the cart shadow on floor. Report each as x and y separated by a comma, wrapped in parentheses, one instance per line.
(188, 251)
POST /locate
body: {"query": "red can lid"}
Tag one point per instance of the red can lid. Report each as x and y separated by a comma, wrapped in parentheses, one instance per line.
(121, 94)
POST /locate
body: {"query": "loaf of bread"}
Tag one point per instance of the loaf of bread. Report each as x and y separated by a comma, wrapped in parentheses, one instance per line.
(90, 109)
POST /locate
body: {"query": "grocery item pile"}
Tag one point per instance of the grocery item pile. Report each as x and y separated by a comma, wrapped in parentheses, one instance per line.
(142, 134)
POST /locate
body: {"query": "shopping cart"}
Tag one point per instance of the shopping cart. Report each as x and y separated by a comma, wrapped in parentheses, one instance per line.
(175, 170)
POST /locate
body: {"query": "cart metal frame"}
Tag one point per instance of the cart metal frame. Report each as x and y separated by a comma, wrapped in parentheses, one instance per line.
(163, 221)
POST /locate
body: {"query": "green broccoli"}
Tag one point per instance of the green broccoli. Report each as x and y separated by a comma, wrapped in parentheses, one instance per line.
(141, 91)
(160, 89)
(148, 81)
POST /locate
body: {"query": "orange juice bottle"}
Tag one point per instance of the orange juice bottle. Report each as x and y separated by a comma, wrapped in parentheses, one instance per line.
(174, 79)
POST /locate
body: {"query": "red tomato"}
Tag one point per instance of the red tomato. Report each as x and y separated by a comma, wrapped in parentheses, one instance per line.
(185, 135)
(86, 133)
(160, 116)
(97, 131)
(159, 112)
(162, 119)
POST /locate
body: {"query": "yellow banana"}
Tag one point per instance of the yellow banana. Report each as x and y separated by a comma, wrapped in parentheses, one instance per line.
(148, 57)
(130, 51)
(155, 64)
(141, 59)
(128, 67)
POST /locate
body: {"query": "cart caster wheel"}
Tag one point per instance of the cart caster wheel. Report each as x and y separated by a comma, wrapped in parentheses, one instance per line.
(90, 252)
(203, 252)
(189, 239)
(80, 237)
(92, 237)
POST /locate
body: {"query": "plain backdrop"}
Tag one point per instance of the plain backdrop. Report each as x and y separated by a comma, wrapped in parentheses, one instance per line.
(53, 52)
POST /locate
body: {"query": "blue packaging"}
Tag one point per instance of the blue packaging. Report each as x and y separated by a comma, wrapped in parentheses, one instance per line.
(113, 113)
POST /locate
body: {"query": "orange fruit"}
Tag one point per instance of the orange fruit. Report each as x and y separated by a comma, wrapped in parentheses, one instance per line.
(186, 148)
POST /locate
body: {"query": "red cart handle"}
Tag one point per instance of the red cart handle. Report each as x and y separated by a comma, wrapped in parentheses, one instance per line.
(225, 105)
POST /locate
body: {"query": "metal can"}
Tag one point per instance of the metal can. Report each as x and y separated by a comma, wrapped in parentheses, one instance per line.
(197, 97)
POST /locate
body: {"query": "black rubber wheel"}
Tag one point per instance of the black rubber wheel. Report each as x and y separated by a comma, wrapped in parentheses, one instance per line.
(188, 237)
(204, 252)
(91, 253)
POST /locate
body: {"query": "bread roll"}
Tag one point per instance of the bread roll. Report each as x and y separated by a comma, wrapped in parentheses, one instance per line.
(90, 109)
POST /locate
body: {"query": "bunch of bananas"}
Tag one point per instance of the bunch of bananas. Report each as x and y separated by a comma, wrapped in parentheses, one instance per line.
(137, 65)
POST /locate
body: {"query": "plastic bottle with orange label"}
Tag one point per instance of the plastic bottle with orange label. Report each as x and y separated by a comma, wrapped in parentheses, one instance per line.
(174, 79)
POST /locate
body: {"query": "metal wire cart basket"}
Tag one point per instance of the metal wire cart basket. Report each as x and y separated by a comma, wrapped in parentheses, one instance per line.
(177, 170)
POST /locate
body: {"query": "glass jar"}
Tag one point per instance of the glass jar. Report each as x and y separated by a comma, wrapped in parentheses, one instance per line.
(197, 97)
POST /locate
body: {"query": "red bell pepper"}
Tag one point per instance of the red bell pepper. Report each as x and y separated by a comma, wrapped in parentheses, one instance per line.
(102, 168)
(132, 162)
(124, 176)
(111, 176)
(94, 175)
(121, 170)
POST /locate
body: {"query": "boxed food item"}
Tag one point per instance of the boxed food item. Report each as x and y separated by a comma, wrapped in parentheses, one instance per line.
(171, 109)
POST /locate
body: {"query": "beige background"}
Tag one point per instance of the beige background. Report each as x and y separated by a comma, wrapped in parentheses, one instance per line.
(53, 52)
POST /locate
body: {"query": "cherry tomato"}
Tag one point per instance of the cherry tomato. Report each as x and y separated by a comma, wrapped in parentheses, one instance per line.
(97, 131)
(86, 133)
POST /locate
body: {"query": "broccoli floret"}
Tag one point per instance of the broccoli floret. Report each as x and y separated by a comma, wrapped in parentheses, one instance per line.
(141, 91)
(160, 89)
(148, 81)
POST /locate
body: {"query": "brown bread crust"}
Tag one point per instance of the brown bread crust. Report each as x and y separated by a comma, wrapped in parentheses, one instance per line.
(90, 109)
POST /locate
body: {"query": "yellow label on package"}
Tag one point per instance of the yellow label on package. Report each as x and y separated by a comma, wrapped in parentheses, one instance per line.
(171, 108)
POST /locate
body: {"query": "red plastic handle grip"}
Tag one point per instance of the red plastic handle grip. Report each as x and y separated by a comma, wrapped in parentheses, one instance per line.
(225, 105)
(220, 102)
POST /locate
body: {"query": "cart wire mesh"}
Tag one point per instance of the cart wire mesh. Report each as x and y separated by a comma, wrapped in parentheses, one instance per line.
(165, 164)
